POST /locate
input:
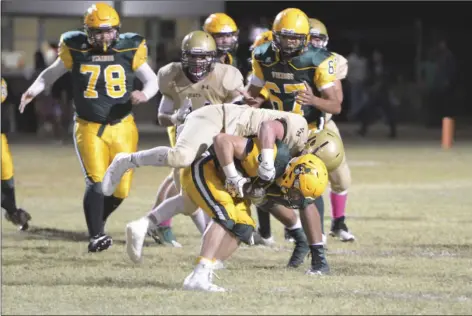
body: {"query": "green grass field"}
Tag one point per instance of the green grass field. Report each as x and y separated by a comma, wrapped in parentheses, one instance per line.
(410, 207)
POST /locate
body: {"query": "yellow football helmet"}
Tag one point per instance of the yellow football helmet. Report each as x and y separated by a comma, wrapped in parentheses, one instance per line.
(102, 25)
(305, 177)
(290, 30)
(225, 31)
(198, 55)
(327, 146)
(262, 38)
(318, 33)
(4, 90)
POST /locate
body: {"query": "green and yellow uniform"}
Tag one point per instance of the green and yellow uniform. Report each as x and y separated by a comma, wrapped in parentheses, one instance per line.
(102, 84)
(284, 79)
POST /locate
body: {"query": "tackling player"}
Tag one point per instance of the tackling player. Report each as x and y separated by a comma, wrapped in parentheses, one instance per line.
(104, 65)
(197, 134)
(15, 215)
(188, 85)
(340, 178)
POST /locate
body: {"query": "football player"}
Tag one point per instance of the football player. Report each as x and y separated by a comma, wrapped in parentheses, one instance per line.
(290, 69)
(104, 65)
(194, 82)
(303, 179)
(225, 32)
(340, 179)
(197, 134)
(17, 216)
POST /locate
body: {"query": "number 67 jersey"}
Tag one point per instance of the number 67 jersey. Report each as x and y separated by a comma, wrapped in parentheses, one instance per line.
(102, 81)
(284, 79)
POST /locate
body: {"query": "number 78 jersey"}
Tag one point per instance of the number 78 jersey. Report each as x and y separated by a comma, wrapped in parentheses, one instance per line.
(316, 66)
(102, 81)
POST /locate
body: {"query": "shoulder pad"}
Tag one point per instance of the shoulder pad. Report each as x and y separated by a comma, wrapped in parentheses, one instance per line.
(129, 40)
(314, 56)
(166, 75)
(262, 51)
(74, 39)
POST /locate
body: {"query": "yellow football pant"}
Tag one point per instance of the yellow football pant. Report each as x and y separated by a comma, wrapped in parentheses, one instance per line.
(203, 185)
(7, 161)
(97, 144)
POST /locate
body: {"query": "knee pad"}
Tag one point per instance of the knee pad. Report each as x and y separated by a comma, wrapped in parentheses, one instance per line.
(340, 178)
(95, 187)
(178, 158)
(241, 231)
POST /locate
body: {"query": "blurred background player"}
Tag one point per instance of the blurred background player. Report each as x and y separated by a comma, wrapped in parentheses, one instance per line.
(196, 81)
(340, 178)
(104, 64)
(225, 32)
(17, 216)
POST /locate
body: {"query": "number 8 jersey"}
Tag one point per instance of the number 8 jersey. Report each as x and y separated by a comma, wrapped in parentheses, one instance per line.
(102, 81)
(316, 66)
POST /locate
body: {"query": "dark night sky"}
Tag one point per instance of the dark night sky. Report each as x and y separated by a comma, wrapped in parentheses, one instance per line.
(389, 26)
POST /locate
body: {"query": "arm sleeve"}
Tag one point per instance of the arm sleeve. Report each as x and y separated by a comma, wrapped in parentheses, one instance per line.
(48, 77)
(325, 73)
(149, 80)
(166, 106)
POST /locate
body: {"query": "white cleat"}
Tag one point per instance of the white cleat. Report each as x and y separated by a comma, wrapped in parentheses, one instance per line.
(118, 167)
(135, 234)
(343, 235)
(259, 240)
(219, 265)
(200, 281)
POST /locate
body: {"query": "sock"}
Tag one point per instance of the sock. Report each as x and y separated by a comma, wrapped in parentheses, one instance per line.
(230, 170)
(93, 209)
(264, 223)
(199, 220)
(166, 223)
(338, 204)
(297, 225)
(319, 203)
(167, 209)
(8, 196)
(110, 204)
(156, 156)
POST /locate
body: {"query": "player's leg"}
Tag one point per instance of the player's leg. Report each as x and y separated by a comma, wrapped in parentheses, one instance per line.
(292, 223)
(124, 140)
(93, 154)
(17, 216)
(195, 138)
(263, 234)
(340, 180)
(311, 222)
(231, 220)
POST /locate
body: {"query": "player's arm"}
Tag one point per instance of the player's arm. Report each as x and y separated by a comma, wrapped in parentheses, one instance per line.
(324, 78)
(144, 73)
(268, 133)
(227, 147)
(255, 85)
(165, 114)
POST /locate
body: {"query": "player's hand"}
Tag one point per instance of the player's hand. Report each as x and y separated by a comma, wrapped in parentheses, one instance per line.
(179, 116)
(26, 98)
(234, 186)
(306, 97)
(248, 99)
(266, 172)
(138, 97)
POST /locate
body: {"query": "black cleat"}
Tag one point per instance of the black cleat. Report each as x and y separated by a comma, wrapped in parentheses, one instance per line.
(339, 229)
(301, 249)
(287, 236)
(319, 264)
(19, 218)
(99, 243)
